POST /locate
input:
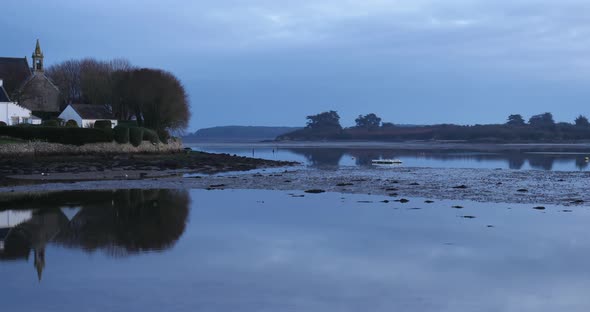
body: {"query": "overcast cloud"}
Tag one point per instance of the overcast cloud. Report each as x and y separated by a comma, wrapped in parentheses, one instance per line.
(272, 62)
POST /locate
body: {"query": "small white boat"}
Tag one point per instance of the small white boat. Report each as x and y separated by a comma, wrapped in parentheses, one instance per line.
(386, 161)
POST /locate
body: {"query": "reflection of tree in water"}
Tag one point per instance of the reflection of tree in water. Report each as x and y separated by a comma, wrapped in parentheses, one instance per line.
(320, 157)
(516, 161)
(581, 163)
(541, 162)
(131, 221)
(120, 222)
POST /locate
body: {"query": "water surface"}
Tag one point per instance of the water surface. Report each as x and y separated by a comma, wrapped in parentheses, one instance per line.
(360, 158)
(244, 250)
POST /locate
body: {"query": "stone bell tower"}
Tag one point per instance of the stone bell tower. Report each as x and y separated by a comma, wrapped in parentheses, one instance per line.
(38, 59)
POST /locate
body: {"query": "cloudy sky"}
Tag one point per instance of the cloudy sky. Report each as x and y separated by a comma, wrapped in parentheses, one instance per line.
(272, 62)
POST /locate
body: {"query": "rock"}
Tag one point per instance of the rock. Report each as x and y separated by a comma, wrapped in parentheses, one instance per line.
(344, 184)
(429, 201)
(385, 201)
(460, 187)
(490, 226)
(458, 207)
(403, 200)
(567, 210)
(364, 201)
(216, 185)
(522, 190)
(392, 195)
(468, 217)
(578, 201)
(391, 189)
(315, 191)
(539, 208)
(415, 184)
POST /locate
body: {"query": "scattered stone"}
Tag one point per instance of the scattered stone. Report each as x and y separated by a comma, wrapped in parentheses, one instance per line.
(468, 217)
(415, 184)
(429, 201)
(315, 191)
(539, 208)
(522, 190)
(391, 189)
(577, 201)
(403, 200)
(460, 187)
(561, 180)
(344, 184)
(365, 202)
(287, 181)
(385, 201)
(499, 183)
(217, 185)
(567, 210)
(414, 208)
(458, 207)
(490, 226)
(392, 194)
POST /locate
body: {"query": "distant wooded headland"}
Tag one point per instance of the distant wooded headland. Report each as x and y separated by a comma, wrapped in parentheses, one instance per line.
(539, 128)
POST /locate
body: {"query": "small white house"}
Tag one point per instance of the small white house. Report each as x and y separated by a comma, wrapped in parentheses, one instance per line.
(86, 114)
(13, 114)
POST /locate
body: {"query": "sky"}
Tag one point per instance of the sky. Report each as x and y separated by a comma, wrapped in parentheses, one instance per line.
(273, 62)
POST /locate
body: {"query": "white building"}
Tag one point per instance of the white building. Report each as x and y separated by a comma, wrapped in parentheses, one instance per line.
(86, 115)
(13, 114)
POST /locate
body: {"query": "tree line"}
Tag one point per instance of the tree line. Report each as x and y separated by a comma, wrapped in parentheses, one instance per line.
(541, 127)
(154, 98)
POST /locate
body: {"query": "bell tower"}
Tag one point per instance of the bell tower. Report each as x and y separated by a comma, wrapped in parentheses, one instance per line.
(37, 59)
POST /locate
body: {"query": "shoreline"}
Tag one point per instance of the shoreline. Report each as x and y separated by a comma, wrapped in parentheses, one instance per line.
(479, 185)
(410, 145)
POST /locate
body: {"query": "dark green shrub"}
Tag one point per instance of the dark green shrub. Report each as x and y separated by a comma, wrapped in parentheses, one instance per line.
(3, 124)
(150, 135)
(71, 124)
(103, 124)
(128, 123)
(163, 135)
(121, 134)
(72, 136)
(51, 123)
(135, 136)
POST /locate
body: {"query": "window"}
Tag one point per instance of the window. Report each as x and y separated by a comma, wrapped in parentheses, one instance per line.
(14, 120)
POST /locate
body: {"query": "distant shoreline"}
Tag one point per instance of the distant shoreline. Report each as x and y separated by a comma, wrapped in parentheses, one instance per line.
(437, 145)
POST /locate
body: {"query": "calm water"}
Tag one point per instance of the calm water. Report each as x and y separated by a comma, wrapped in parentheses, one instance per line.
(360, 158)
(241, 250)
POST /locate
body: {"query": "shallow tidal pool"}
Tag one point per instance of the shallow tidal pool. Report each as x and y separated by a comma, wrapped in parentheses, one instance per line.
(252, 250)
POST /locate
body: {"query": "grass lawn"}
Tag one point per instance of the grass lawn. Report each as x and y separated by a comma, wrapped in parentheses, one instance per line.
(10, 141)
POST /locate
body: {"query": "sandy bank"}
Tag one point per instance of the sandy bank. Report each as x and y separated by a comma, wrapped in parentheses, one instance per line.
(482, 185)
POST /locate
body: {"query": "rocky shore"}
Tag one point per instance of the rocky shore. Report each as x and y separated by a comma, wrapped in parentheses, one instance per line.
(481, 185)
(45, 169)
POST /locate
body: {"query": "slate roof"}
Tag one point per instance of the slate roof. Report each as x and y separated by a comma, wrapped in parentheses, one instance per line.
(14, 72)
(88, 111)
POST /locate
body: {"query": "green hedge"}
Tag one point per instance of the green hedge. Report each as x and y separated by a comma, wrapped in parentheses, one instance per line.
(72, 136)
(121, 134)
(135, 136)
(103, 124)
(150, 135)
(71, 124)
(51, 123)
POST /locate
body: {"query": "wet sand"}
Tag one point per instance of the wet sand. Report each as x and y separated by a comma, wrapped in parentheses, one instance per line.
(481, 185)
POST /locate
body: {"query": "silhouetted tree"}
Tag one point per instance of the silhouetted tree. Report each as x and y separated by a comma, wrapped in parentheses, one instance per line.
(388, 125)
(582, 121)
(515, 120)
(370, 121)
(325, 120)
(156, 98)
(542, 120)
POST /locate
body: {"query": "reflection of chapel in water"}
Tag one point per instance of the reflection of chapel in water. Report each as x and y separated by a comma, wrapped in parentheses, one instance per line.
(118, 222)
